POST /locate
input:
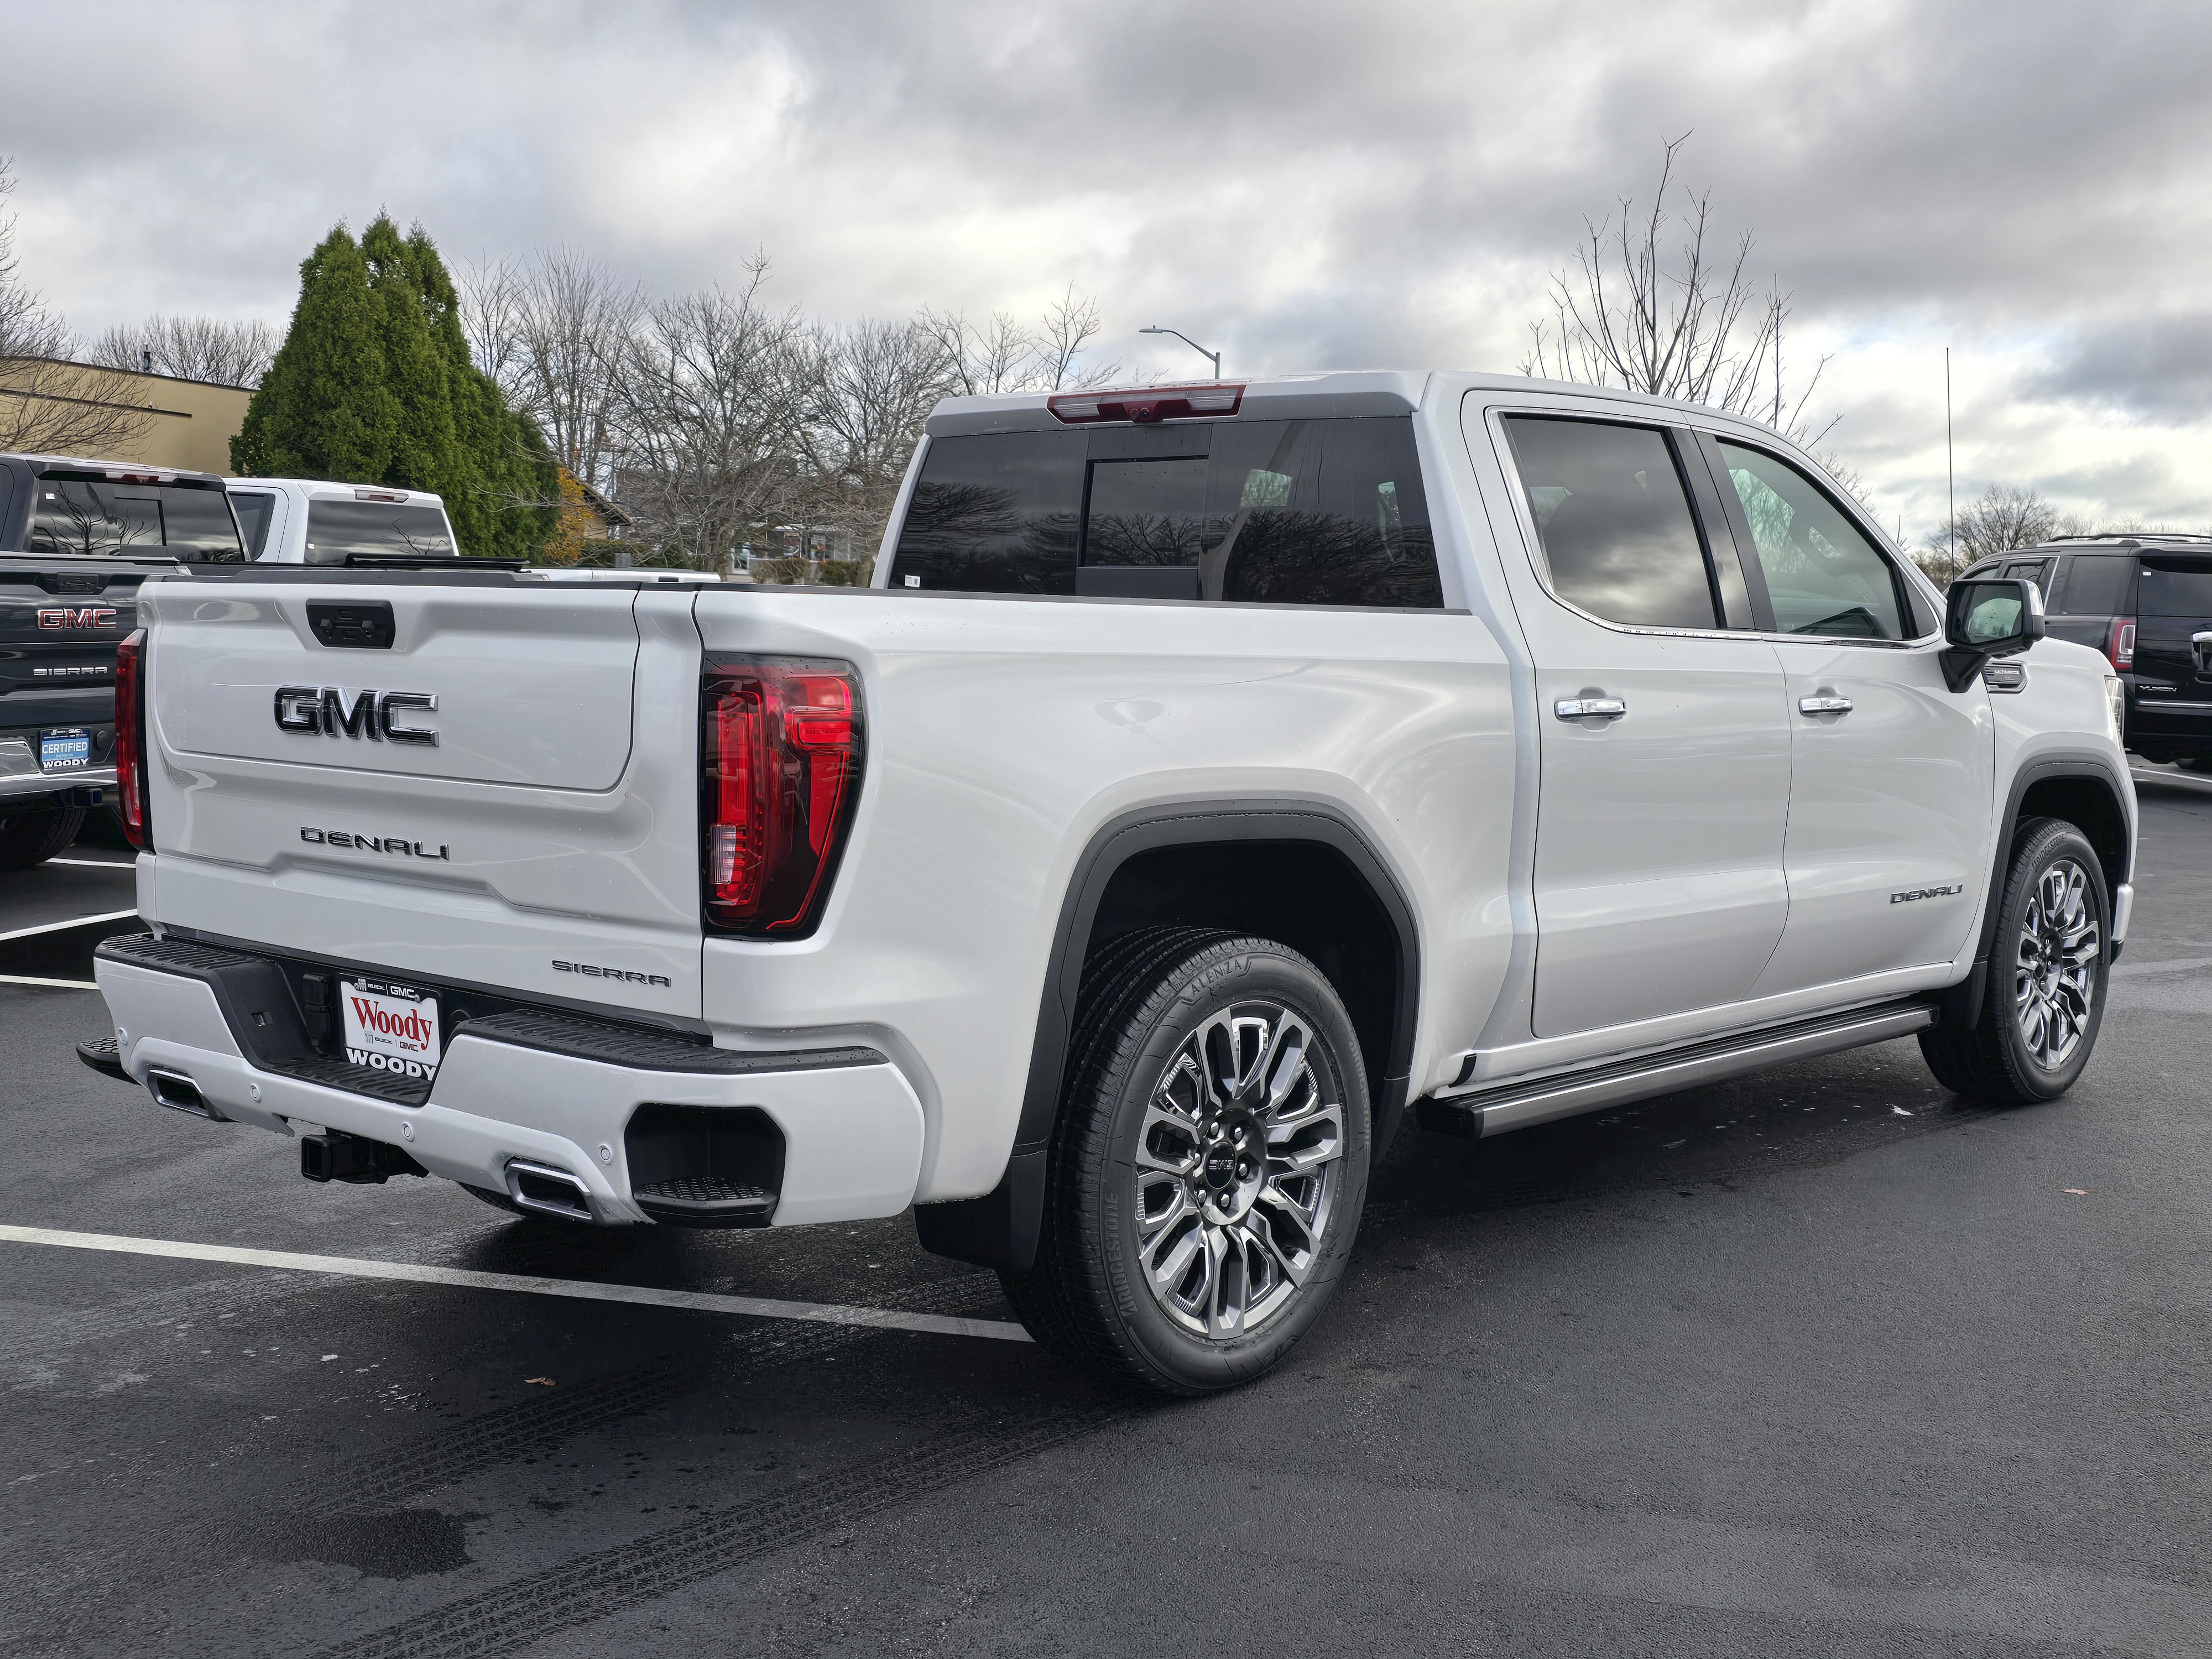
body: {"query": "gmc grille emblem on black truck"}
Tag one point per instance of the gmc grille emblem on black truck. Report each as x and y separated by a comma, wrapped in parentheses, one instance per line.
(334, 712)
(67, 618)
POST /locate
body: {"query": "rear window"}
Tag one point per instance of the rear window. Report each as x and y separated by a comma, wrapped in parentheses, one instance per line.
(2096, 585)
(2176, 590)
(336, 528)
(1318, 512)
(107, 520)
(253, 508)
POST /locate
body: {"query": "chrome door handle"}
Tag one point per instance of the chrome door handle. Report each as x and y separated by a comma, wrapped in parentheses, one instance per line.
(1577, 708)
(1824, 705)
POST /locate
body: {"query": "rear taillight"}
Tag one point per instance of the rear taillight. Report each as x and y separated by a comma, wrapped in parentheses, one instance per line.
(130, 739)
(780, 753)
(2120, 642)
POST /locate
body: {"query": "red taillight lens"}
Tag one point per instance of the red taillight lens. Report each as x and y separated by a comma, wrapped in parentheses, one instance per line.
(130, 739)
(780, 751)
(2120, 642)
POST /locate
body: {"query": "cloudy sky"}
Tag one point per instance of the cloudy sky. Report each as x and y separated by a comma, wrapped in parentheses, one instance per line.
(1301, 185)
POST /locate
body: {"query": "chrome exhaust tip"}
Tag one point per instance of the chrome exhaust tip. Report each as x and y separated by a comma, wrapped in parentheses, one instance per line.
(177, 1092)
(547, 1189)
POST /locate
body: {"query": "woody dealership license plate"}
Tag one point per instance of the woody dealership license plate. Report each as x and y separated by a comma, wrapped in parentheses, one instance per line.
(393, 1028)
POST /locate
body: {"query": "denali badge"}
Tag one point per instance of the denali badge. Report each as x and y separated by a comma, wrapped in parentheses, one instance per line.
(333, 712)
(360, 843)
(1927, 892)
(631, 975)
(59, 618)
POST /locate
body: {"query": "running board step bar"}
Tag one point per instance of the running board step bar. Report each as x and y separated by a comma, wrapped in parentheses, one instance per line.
(1517, 1105)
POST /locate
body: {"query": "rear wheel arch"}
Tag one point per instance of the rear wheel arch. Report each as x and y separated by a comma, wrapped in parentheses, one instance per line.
(1300, 871)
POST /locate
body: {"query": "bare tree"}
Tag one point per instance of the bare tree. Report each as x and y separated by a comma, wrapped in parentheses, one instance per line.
(1005, 357)
(552, 330)
(708, 401)
(47, 402)
(2007, 516)
(1687, 325)
(871, 386)
(189, 348)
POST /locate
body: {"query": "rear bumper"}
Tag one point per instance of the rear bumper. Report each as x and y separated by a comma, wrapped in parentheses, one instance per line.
(21, 778)
(514, 1088)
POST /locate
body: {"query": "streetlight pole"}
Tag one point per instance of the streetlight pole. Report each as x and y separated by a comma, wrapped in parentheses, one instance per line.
(1192, 343)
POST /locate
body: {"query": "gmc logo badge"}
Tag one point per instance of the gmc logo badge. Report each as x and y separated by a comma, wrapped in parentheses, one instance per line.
(57, 618)
(334, 712)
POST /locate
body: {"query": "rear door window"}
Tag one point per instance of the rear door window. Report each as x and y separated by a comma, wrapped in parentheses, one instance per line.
(104, 518)
(338, 528)
(1614, 521)
(1318, 512)
(254, 508)
(1823, 576)
(2096, 585)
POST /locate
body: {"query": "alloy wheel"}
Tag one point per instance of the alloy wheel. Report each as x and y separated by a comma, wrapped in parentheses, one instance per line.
(1238, 1166)
(2055, 975)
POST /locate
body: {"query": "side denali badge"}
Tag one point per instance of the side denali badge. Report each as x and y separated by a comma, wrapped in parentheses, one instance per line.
(331, 711)
(1928, 892)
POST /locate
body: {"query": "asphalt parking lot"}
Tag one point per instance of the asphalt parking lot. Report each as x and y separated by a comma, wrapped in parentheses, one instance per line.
(1819, 1362)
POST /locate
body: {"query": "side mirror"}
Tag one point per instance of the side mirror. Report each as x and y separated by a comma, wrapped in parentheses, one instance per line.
(1988, 617)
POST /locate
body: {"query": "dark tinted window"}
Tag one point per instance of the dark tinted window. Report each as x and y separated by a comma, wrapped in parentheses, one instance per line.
(2176, 590)
(1323, 512)
(1613, 520)
(336, 528)
(116, 520)
(1327, 512)
(996, 514)
(2096, 585)
(254, 508)
(1822, 574)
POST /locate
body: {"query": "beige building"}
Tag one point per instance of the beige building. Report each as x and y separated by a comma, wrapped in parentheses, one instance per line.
(107, 414)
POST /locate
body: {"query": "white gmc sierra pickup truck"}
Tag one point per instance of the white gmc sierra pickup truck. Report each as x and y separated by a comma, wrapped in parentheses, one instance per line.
(1212, 771)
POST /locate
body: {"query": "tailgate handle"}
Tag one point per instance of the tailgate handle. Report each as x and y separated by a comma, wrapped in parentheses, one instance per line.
(352, 625)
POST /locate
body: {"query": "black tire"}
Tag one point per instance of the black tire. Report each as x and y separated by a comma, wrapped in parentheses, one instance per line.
(32, 837)
(2011, 1056)
(2195, 763)
(1151, 1001)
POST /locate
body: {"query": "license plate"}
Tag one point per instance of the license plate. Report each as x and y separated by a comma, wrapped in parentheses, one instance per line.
(64, 750)
(393, 1028)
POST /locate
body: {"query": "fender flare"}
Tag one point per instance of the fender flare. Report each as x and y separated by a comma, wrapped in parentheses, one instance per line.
(1960, 1006)
(1000, 1229)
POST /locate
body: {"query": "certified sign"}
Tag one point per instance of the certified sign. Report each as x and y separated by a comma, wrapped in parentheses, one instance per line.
(393, 1028)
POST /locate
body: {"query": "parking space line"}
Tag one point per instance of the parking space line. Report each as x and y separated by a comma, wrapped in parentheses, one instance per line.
(54, 984)
(820, 1313)
(64, 926)
(97, 864)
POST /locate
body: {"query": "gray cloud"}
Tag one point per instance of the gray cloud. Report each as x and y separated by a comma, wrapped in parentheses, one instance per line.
(1301, 183)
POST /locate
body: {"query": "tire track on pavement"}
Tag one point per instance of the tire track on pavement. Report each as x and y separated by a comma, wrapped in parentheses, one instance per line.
(588, 1588)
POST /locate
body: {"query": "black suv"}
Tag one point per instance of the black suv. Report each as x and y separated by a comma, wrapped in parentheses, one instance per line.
(2146, 602)
(77, 539)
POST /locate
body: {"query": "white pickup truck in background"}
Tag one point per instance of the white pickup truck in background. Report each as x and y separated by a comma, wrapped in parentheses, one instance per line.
(1213, 772)
(308, 521)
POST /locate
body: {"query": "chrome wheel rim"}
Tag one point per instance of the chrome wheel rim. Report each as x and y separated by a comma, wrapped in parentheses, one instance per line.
(1237, 1167)
(2055, 976)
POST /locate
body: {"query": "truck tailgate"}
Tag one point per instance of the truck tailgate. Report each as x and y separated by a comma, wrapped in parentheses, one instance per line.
(433, 775)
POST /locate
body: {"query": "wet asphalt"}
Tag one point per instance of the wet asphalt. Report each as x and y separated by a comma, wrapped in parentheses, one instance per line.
(1817, 1362)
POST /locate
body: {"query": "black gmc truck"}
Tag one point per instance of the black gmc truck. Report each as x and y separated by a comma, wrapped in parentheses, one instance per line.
(76, 537)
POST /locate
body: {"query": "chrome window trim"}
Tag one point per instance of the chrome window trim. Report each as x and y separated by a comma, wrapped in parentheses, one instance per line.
(1532, 541)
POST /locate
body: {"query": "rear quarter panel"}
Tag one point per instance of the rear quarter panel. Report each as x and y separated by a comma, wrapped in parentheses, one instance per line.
(1003, 733)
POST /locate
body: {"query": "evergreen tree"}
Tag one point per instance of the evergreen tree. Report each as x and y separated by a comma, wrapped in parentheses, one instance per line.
(373, 384)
